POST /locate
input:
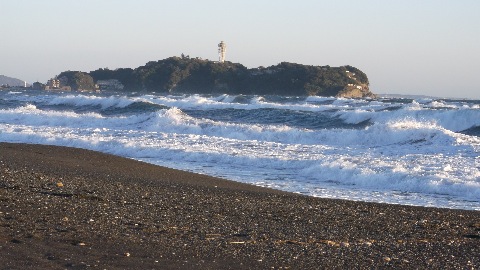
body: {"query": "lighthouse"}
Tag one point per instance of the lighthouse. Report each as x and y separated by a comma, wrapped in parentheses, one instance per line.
(222, 50)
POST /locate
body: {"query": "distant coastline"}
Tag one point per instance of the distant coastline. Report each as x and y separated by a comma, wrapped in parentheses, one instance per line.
(8, 82)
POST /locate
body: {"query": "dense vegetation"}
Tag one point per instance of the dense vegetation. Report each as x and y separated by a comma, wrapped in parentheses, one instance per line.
(194, 75)
(77, 80)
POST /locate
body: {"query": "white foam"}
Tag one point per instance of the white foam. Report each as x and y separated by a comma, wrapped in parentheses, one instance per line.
(457, 119)
(410, 156)
(82, 100)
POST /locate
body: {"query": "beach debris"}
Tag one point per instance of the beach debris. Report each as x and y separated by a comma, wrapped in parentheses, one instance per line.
(78, 243)
(330, 243)
(16, 241)
(59, 184)
(126, 254)
(237, 242)
(366, 243)
(386, 259)
(290, 242)
(476, 225)
(471, 236)
(294, 242)
(212, 236)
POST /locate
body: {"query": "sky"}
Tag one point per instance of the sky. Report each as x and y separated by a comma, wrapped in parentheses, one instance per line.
(411, 47)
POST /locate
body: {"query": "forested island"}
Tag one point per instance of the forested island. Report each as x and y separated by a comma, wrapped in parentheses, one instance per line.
(195, 75)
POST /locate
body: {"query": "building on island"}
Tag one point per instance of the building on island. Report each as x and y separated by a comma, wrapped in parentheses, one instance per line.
(111, 84)
(53, 84)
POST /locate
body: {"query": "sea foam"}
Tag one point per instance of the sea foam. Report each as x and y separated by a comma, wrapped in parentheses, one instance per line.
(385, 150)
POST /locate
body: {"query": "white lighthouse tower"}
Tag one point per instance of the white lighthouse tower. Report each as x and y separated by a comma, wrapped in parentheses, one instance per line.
(222, 50)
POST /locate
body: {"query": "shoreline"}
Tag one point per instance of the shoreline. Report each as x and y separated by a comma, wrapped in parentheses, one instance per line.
(68, 208)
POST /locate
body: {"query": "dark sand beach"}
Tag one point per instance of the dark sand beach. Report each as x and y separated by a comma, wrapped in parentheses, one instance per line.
(66, 208)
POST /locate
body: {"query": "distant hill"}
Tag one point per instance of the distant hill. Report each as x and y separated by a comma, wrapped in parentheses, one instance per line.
(4, 80)
(199, 76)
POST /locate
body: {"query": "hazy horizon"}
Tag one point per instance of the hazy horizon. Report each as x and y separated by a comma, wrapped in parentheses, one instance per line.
(409, 47)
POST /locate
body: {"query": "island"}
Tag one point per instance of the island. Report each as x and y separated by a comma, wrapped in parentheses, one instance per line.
(195, 75)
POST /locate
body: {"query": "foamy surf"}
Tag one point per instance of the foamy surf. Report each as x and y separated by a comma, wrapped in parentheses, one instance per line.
(416, 152)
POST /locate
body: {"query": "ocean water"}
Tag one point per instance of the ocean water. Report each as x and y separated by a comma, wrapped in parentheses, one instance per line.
(422, 152)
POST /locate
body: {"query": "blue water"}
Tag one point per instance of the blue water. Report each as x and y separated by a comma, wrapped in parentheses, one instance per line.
(396, 150)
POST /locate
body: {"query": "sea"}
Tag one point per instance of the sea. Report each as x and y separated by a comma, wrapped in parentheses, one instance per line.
(409, 151)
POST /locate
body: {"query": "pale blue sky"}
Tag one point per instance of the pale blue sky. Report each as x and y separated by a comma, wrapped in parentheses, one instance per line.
(424, 47)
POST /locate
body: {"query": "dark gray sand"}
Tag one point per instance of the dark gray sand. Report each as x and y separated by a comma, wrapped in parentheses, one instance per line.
(64, 208)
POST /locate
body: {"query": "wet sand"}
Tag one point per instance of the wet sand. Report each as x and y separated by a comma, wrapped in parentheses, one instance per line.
(66, 208)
